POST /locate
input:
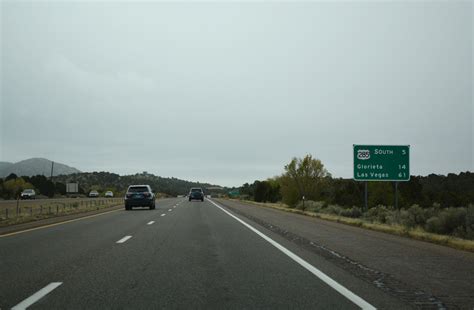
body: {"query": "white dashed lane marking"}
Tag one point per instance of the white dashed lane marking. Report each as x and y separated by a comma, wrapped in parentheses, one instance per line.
(150, 222)
(124, 239)
(37, 296)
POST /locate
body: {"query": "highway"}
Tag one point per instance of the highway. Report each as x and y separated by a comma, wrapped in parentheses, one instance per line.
(222, 255)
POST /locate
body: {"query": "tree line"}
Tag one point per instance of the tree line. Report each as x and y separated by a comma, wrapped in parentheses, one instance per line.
(307, 177)
(435, 203)
(13, 185)
(104, 181)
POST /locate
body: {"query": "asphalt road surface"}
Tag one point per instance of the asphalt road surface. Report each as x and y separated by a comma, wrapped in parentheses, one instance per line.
(185, 255)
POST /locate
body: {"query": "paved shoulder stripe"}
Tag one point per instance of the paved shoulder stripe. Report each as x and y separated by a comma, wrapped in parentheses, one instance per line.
(318, 273)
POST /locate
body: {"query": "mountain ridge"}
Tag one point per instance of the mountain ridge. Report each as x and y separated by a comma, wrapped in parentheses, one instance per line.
(35, 166)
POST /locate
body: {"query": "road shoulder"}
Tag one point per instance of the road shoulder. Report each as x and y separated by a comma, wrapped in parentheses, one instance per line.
(420, 273)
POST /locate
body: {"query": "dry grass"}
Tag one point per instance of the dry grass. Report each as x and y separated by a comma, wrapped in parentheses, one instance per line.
(416, 233)
(33, 210)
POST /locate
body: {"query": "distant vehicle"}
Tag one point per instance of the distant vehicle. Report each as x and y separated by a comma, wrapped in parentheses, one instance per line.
(196, 193)
(109, 194)
(28, 194)
(72, 188)
(139, 196)
(94, 194)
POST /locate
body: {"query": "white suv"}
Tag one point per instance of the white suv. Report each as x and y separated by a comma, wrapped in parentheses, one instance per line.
(28, 194)
(94, 194)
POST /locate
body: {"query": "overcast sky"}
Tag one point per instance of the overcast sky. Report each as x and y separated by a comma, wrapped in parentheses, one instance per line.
(229, 92)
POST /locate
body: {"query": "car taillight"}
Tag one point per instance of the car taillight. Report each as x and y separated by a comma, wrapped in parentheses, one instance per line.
(128, 195)
(146, 194)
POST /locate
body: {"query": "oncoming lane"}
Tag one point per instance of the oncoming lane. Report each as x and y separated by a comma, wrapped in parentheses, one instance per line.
(29, 260)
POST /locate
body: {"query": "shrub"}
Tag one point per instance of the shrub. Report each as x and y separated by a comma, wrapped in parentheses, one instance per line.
(414, 216)
(454, 218)
(448, 221)
(470, 222)
(323, 207)
(310, 205)
(333, 209)
(379, 213)
(394, 217)
(434, 225)
(353, 212)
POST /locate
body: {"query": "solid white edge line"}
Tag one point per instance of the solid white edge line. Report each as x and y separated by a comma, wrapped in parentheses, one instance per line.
(318, 273)
(37, 296)
(124, 239)
(150, 222)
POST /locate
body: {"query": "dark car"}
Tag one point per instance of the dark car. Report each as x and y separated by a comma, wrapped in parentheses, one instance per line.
(196, 194)
(139, 196)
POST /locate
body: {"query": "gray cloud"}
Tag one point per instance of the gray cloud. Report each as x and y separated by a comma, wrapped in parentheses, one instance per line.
(229, 92)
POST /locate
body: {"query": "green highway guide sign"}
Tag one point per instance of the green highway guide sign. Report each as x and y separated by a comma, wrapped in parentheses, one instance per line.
(381, 162)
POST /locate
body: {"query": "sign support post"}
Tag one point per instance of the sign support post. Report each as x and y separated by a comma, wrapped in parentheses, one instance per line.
(365, 197)
(396, 195)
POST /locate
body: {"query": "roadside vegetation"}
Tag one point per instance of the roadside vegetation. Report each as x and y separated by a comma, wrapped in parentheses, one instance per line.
(435, 204)
(16, 212)
(457, 222)
(393, 228)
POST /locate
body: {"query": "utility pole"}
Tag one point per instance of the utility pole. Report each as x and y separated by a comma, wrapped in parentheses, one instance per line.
(52, 168)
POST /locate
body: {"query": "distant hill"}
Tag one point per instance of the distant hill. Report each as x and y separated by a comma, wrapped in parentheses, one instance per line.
(102, 181)
(35, 166)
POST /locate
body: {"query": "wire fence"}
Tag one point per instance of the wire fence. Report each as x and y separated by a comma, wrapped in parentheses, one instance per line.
(18, 211)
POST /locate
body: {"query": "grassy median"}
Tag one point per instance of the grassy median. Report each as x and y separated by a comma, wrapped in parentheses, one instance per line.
(415, 233)
(23, 211)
